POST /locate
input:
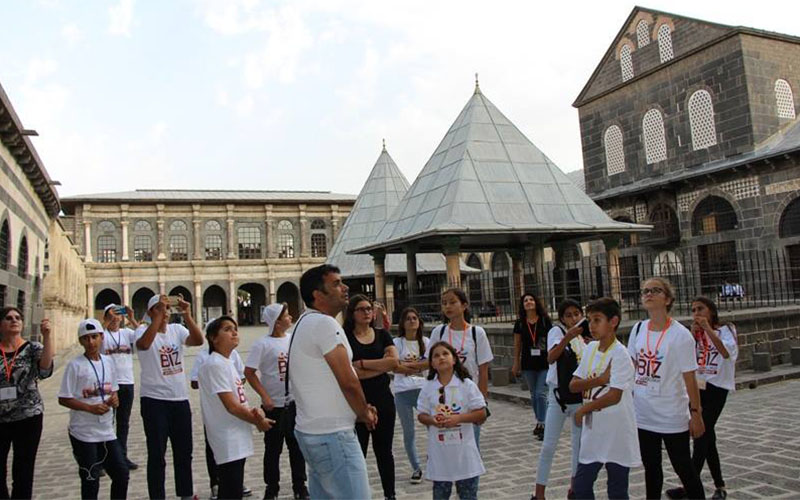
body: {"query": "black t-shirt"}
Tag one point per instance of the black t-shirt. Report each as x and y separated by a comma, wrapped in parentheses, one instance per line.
(375, 388)
(528, 332)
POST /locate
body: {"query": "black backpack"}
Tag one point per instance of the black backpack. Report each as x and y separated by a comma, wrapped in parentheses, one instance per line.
(566, 365)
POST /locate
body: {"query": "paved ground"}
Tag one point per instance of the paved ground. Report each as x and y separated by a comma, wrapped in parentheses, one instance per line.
(759, 440)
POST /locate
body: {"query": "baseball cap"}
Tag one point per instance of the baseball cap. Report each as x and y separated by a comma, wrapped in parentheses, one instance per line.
(89, 326)
(270, 315)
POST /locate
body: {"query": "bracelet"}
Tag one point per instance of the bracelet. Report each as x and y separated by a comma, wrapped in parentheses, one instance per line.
(694, 410)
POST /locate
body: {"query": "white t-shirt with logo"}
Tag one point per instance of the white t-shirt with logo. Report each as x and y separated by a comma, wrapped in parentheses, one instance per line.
(163, 373)
(452, 452)
(230, 437)
(554, 337)
(609, 435)
(660, 397)
(82, 381)
(711, 366)
(202, 356)
(408, 350)
(119, 345)
(270, 356)
(321, 405)
(462, 341)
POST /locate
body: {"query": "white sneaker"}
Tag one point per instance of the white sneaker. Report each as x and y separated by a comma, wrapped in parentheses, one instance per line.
(214, 491)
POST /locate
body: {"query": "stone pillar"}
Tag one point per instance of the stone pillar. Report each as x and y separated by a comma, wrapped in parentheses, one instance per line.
(453, 260)
(126, 292)
(517, 272)
(161, 243)
(272, 292)
(334, 222)
(268, 231)
(87, 241)
(198, 242)
(231, 245)
(198, 303)
(162, 288)
(233, 303)
(124, 224)
(305, 237)
(379, 260)
(89, 300)
(411, 273)
(612, 261)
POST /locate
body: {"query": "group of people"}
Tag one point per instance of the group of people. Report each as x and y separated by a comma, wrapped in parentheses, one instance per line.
(325, 391)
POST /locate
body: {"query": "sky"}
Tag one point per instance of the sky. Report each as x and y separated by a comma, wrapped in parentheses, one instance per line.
(298, 95)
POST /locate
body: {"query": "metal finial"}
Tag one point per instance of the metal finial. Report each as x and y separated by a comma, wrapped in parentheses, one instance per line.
(384, 144)
(477, 86)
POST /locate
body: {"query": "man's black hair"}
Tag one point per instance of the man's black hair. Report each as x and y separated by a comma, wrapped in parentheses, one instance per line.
(314, 279)
(606, 306)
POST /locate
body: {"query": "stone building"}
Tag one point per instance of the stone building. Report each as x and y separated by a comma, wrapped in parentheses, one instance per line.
(224, 251)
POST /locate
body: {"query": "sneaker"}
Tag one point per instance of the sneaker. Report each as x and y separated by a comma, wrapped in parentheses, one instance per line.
(719, 494)
(676, 493)
(271, 495)
(132, 465)
(301, 493)
(416, 477)
(246, 492)
(214, 492)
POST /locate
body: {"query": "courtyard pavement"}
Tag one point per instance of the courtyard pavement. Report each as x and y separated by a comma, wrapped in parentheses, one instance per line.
(758, 439)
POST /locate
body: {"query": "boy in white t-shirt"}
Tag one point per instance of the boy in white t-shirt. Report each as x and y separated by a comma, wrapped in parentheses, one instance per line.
(605, 377)
(89, 390)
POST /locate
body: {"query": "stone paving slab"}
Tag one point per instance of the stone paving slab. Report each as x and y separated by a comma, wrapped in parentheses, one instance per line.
(758, 438)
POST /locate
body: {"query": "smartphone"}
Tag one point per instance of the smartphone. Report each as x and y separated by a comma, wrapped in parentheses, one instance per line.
(585, 333)
(121, 310)
(172, 301)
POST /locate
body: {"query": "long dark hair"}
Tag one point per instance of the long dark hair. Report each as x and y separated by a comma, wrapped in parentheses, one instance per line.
(349, 321)
(541, 310)
(711, 307)
(462, 297)
(401, 327)
(459, 369)
(213, 328)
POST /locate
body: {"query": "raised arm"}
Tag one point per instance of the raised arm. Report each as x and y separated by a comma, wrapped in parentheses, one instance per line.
(195, 333)
(157, 314)
(46, 361)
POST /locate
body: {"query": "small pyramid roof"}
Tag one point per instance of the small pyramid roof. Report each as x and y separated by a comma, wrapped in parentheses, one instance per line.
(486, 178)
(382, 191)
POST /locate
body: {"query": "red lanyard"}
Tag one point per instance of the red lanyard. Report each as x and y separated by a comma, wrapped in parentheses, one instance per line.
(702, 338)
(9, 368)
(532, 334)
(660, 337)
(463, 338)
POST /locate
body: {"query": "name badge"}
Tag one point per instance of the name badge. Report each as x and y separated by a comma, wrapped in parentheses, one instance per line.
(536, 352)
(701, 384)
(450, 436)
(8, 393)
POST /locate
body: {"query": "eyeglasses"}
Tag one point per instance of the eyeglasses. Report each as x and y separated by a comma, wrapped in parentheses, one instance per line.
(652, 291)
(367, 309)
(441, 395)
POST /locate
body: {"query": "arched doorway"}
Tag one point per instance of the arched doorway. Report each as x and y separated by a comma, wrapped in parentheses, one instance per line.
(214, 303)
(187, 296)
(251, 298)
(718, 261)
(289, 293)
(139, 302)
(789, 229)
(105, 297)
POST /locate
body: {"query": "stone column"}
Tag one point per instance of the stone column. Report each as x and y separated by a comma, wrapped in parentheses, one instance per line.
(305, 237)
(334, 222)
(231, 253)
(452, 257)
(124, 224)
(379, 260)
(233, 303)
(198, 243)
(272, 291)
(161, 243)
(87, 241)
(162, 288)
(198, 303)
(517, 272)
(612, 261)
(268, 232)
(126, 292)
(89, 300)
(411, 273)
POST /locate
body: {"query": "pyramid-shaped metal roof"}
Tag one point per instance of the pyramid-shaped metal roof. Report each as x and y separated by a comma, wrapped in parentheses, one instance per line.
(383, 190)
(486, 178)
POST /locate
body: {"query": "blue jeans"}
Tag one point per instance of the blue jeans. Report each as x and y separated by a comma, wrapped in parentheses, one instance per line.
(405, 402)
(336, 466)
(553, 425)
(537, 384)
(467, 489)
(583, 485)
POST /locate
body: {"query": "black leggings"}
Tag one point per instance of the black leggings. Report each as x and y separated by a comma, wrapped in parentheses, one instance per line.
(24, 435)
(231, 479)
(677, 446)
(712, 400)
(382, 438)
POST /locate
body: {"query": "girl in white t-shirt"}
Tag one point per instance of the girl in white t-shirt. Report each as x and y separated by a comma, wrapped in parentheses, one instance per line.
(666, 396)
(409, 377)
(717, 350)
(226, 415)
(449, 404)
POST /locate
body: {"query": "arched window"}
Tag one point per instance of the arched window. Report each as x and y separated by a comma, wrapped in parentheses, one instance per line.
(142, 248)
(655, 142)
(701, 120)
(177, 225)
(790, 220)
(5, 245)
(249, 242)
(22, 261)
(213, 247)
(106, 226)
(784, 99)
(615, 156)
(665, 43)
(285, 240)
(665, 225)
(643, 33)
(178, 247)
(626, 62)
(106, 248)
(317, 224)
(713, 215)
(213, 225)
(142, 226)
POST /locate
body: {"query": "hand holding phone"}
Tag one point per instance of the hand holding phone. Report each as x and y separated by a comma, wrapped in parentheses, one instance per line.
(586, 333)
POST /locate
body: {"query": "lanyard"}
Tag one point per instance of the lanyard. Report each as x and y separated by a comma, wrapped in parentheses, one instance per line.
(533, 333)
(9, 368)
(100, 383)
(463, 338)
(602, 358)
(660, 337)
(117, 340)
(703, 339)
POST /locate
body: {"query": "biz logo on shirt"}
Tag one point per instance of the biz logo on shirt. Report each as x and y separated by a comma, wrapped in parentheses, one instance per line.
(462, 355)
(708, 361)
(170, 360)
(283, 362)
(648, 364)
(94, 390)
(240, 391)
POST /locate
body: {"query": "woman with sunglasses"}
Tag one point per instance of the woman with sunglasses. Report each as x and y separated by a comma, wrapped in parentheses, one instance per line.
(449, 404)
(21, 406)
(374, 356)
(666, 396)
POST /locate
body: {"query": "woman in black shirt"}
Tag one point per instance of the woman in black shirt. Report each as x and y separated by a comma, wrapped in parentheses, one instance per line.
(374, 355)
(530, 354)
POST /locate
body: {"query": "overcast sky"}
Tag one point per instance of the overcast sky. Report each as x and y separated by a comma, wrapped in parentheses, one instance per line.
(298, 95)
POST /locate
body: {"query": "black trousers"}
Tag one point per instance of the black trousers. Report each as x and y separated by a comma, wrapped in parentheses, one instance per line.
(677, 446)
(705, 447)
(24, 435)
(382, 437)
(211, 463)
(92, 457)
(122, 415)
(231, 479)
(273, 446)
(168, 421)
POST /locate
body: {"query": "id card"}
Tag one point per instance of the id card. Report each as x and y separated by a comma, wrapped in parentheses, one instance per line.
(536, 352)
(8, 393)
(701, 384)
(450, 436)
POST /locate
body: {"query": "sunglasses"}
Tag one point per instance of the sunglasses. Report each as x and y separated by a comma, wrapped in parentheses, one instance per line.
(367, 309)
(652, 291)
(441, 395)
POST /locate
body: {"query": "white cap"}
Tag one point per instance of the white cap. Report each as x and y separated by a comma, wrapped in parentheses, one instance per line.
(155, 299)
(89, 326)
(106, 308)
(270, 316)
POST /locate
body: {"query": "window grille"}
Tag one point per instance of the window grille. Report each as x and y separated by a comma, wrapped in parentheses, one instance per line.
(790, 220)
(319, 245)
(713, 215)
(106, 226)
(285, 240)
(249, 242)
(655, 142)
(142, 226)
(640, 211)
(474, 281)
(177, 225)
(178, 247)
(5, 245)
(626, 62)
(142, 249)
(615, 156)
(742, 188)
(718, 267)
(665, 225)
(685, 200)
(285, 225)
(21, 301)
(701, 120)
(643, 33)
(665, 43)
(106, 249)
(784, 99)
(213, 225)
(317, 224)
(213, 247)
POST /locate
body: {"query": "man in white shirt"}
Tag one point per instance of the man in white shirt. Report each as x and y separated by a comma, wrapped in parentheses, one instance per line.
(327, 392)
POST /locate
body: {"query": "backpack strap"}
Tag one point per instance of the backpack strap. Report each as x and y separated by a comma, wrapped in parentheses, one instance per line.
(289, 351)
(475, 341)
(635, 335)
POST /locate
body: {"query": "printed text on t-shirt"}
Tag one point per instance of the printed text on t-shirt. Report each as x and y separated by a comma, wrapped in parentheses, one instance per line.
(170, 360)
